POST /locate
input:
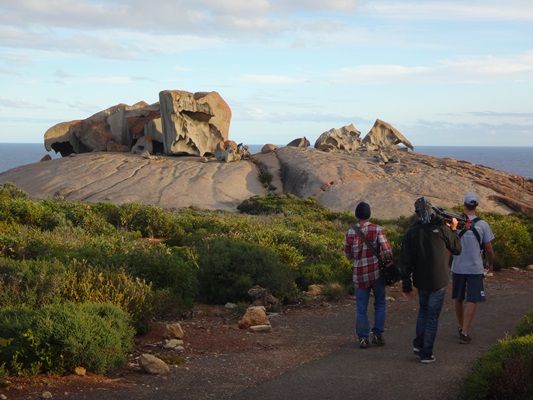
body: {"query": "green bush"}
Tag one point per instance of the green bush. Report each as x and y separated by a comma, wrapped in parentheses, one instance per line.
(228, 268)
(83, 284)
(31, 283)
(525, 327)
(513, 242)
(504, 372)
(169, 268)
(10, 191)
(58, 338)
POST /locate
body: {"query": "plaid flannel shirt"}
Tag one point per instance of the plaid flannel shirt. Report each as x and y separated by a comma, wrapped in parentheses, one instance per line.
(365, 263)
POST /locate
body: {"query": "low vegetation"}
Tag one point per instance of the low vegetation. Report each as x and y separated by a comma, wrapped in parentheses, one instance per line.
(62, 259)
(505, 371)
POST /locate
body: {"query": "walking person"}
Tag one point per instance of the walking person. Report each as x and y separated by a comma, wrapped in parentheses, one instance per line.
(468, 268)
(366, 274)
(424, 261)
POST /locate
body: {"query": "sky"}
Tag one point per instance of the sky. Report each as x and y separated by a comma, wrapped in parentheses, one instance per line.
(443, 72)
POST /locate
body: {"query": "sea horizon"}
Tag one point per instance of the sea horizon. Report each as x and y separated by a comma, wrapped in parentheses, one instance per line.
(515, 160)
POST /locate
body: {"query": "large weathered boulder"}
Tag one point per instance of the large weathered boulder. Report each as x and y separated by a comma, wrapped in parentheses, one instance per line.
(383, 135)
(107, 130)
(193, 124)
(347, 138)
(106, 125)
(63, 138)
(299, 142)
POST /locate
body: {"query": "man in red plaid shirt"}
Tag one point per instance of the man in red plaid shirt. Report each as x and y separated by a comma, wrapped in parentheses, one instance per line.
(366, 275)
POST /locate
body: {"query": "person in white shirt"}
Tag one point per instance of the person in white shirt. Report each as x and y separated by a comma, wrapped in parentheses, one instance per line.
(468, 268)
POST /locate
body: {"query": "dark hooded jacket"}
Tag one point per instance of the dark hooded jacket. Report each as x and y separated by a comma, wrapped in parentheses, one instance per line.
(425, 255)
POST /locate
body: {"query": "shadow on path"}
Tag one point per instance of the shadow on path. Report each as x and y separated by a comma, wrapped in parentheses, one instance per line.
(392, 371)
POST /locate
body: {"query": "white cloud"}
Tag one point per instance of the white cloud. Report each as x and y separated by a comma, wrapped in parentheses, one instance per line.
(474, 10)
(471, 70)
(268, 79)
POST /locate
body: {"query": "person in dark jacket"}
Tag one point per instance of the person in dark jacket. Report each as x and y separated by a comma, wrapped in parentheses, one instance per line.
(424, 260)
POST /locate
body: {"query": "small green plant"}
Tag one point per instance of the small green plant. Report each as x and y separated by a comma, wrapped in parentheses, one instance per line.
(334, 291)
(525, 327)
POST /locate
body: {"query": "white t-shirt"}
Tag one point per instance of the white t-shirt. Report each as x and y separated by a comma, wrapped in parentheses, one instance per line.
(470, 260)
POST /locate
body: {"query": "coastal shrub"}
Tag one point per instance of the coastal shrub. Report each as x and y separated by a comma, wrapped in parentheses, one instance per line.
(228, 268)
(151, 221)
(36, 283)
(525, 327)
(170, 268)
(10, 191)
(83, 283)
(513, 241)
(31, 283)
(285, 204)
(504, 372)
(59, 337)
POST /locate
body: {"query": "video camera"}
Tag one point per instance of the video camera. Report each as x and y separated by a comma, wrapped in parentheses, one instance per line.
(447, 216)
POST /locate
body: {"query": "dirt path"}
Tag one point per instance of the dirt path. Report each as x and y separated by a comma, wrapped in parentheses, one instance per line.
(311, 354)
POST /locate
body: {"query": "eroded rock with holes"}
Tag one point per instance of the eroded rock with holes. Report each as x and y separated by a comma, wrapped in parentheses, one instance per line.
(113, 129)
(384, 135)
(346, 138)
(143, 144)
(193, 123)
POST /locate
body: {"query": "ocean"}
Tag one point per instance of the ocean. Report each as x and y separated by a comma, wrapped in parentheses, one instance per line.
(515, 160)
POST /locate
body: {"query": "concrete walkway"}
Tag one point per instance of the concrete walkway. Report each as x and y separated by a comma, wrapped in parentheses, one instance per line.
(393, 372)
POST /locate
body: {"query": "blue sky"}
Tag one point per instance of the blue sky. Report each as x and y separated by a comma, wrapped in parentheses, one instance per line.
(443, 72)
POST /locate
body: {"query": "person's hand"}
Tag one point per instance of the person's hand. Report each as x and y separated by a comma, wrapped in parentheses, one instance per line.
(453, 224)
(409, 295)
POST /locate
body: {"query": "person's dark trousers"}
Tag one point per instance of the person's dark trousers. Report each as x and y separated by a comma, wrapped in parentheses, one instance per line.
(428, 320)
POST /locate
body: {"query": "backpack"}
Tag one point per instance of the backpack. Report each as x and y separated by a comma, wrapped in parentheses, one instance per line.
(475, 232)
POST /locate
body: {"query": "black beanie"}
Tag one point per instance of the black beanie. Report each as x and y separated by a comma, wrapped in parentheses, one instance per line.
(362, 211)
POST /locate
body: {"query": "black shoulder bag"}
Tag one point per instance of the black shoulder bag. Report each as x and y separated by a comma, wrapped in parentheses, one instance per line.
(390, 274)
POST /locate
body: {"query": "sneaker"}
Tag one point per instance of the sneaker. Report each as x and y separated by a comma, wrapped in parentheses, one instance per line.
(363, 342)
(464, 339)
(459, 331)
(378, 340)
(428, 360)
(416, 351)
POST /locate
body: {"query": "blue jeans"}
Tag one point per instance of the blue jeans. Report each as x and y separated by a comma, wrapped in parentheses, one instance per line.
(362, 296)
(428, 320)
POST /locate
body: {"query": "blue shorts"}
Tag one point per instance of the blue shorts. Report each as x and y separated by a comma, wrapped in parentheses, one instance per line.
(472, 284)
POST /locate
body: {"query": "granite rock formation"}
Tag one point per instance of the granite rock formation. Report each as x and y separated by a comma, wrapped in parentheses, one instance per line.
(268, 148)
(346, 139)
(299, 142)
(183, 123)
(384, 135)
(193, 124)
(336, 179)
(228, 151)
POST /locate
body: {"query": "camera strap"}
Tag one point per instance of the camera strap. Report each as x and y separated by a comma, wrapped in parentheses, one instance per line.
(361, 234)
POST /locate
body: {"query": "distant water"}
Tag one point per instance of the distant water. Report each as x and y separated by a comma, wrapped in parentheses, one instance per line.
(515, 160)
